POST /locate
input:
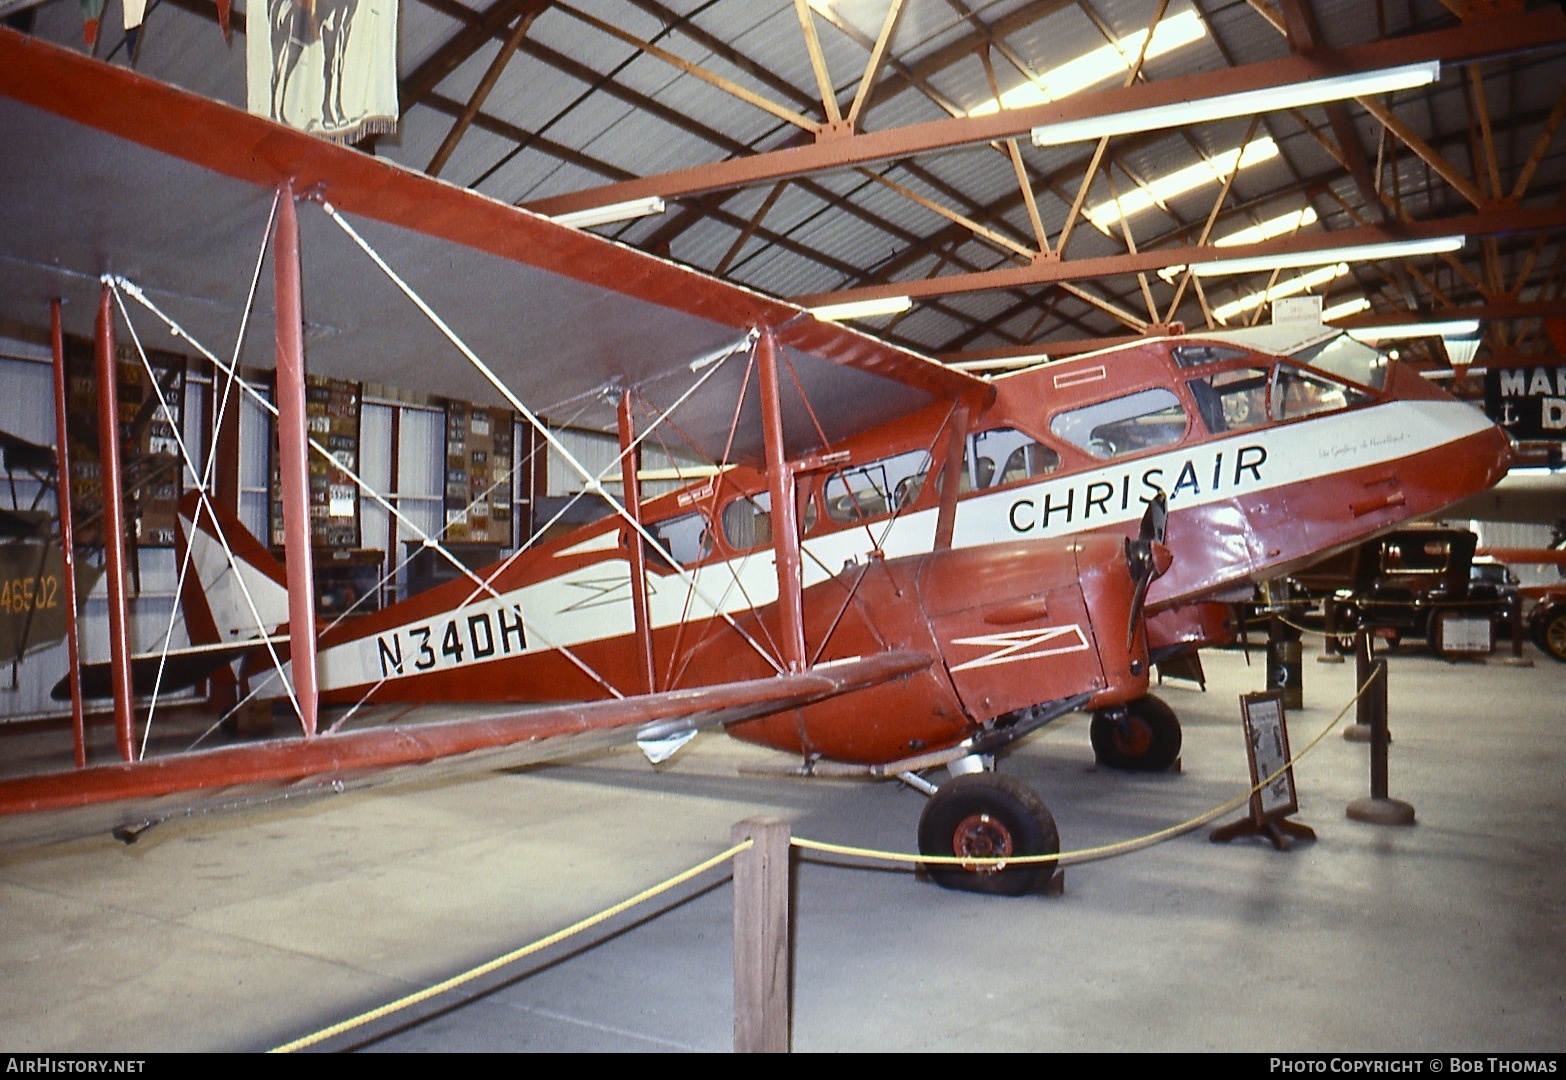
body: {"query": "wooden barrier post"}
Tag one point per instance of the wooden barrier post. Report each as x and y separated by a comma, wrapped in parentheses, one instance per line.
(762, 984)
(1515, 625)
(1359, 730)
(1379, 808)
(1331, 646)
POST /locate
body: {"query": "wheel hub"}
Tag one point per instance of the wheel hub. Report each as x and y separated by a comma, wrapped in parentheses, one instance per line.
(1133, 738)
(980, 836)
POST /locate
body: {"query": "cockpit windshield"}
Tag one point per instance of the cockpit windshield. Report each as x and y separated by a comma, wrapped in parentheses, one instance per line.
(1349, 359)
(1238, 398)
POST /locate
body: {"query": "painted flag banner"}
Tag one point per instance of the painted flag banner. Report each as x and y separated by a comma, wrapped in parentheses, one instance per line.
(92, 14)
(328, 67)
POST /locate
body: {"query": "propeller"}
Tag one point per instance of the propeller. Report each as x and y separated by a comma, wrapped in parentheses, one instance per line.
(1146, 558)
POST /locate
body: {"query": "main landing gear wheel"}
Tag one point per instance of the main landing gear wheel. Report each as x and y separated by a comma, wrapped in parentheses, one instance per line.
(982, 815)
(1140, 736)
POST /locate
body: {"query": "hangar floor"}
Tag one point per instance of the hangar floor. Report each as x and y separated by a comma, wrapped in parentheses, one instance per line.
(247, 931)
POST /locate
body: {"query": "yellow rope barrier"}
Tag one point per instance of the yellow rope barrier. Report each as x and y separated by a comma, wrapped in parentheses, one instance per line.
(1085, 855)
(510, 957)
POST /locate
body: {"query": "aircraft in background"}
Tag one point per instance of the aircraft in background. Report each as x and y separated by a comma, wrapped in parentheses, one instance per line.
(892, 568)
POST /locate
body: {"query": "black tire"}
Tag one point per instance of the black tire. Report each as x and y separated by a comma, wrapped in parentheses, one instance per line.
(1140, 736)
(1549, 633)
(983, 815)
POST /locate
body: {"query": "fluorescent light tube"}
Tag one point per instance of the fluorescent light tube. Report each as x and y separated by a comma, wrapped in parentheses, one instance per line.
(1102, 63)
(1177, 183)
(1345, 309)
(605, 215)
(1293, 221)
(862, 309)
(1451, 328)
(1244, 103)
(1396, 249)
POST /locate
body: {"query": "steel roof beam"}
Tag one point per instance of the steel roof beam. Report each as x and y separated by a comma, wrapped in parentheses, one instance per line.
(1469, 42)
(1483, 223)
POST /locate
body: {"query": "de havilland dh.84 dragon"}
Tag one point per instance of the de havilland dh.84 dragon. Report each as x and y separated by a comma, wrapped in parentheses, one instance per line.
(894, 566)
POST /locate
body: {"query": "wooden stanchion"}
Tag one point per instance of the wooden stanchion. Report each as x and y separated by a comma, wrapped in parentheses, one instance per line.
(1379, 808)
(762, 982)
(1515, 622)
(1331, 646)
(1359, 730)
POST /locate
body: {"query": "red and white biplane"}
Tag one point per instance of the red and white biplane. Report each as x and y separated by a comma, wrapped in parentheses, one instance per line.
(891, 567)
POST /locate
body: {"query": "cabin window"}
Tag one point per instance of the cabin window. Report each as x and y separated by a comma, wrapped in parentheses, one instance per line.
(1004, 456)
(686, 537)
(1231, 400)
(869, 491)
(1296, 394)
(1196, 355)
(1124, 425)
(747, 521)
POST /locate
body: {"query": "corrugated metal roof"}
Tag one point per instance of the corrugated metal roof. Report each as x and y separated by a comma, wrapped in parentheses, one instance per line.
(588, 107)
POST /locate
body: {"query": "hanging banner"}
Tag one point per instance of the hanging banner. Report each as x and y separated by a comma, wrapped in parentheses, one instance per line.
(1529, 401)
(328, 67)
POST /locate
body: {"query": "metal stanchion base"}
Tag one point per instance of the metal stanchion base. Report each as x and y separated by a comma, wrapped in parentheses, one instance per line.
(1375, 811)
(1330, 658)
(1517, 661)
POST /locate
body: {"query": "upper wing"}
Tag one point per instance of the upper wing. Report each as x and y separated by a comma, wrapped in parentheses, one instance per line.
(107, 796)
(106, 171)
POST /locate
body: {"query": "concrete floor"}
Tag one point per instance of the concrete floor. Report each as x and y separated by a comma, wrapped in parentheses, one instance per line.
(245, 931)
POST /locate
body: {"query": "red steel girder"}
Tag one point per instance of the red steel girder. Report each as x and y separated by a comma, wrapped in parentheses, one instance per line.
(1502, 308)
(1050, 271)
(1458, 45)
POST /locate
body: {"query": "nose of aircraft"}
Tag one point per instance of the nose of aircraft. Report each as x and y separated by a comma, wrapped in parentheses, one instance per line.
(1471, 453)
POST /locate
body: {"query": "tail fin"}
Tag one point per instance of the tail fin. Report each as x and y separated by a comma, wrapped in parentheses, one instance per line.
(218, 618)
(214, 597)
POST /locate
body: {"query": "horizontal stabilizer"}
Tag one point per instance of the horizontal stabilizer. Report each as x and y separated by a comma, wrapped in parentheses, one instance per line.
(182, 669)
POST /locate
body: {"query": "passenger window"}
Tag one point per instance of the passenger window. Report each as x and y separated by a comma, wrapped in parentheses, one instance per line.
(686, 537)
(1295, 394)
(875, 489)
(1125, 425)
(1004, 456)
(1232, 400)
(747, 521)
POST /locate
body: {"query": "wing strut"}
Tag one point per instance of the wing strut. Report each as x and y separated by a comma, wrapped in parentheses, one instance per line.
(785, 526)
(630, 460)
(114, 523)
(67, 535)
(293, 456)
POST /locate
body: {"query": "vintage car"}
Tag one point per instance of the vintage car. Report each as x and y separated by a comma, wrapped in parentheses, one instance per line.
(1419, 582)
(1547, 622)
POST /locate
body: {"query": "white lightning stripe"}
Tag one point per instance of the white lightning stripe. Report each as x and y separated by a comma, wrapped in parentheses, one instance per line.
(1013, 641)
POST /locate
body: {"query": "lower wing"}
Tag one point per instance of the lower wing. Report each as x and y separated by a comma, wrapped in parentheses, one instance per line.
(115, 796)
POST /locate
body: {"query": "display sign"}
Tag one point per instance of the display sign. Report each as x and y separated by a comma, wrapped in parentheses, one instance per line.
(1267, 741)
(332, 417)
(1529, 400)
(478, 473)
(1273, 797)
